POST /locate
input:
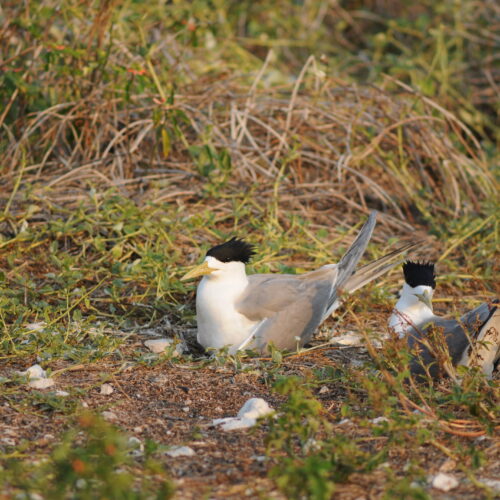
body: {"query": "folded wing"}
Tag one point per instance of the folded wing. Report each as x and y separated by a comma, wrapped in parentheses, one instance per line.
(289, 307)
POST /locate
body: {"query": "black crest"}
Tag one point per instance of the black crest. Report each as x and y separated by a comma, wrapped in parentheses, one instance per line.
(234, 250)
(419, 273)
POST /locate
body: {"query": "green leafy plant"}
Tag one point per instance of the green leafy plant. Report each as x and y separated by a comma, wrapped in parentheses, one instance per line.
(309, 456)
(92, 461)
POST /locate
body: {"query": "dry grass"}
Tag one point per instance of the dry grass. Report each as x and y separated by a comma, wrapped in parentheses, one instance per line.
(317, 143)
(134, 136)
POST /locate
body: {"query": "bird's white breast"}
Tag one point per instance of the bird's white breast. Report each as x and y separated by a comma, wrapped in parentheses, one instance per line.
(409, 311)
(219, 323)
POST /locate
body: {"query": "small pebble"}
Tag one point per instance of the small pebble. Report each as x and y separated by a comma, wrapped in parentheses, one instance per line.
(109, 415)
(35, 496)
(159, 345)
(136, 445)
(41, 383)
(81, 483)
(247, 416)
(106, 389)
(180, 451)
(448, 465)
(494, 484)
(348, 339)
(356, 363)
(36, 326)
(255, 408)
(37, 377)
(35, 371)
(379, 420)
(444, 482)
(134, 441)
(234, 423)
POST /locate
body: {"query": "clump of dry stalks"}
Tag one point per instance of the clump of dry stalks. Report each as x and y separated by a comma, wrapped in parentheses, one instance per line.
(316, 143)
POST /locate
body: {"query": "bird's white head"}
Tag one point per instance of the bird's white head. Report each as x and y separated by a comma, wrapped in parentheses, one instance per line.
(225, 260)
(414, 306)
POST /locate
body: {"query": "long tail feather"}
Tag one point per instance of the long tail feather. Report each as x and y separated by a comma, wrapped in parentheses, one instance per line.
(348, 262)
(377, 268)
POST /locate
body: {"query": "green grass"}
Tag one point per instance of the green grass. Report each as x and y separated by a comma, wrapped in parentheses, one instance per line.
(92, 461)
(135, 135)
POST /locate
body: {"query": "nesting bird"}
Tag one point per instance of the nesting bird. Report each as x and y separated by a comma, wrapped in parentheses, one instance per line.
(251, 311)
(474, 340)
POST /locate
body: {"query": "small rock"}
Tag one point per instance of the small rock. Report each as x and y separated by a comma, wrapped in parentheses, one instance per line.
(379, 420)
(448, 465)
(81, 483)
(312, 445)
(159, 345)
(62, 394)
(136, 445)
(247, 416)
(35, 496)
(41, 383)
(109, 415)
(255, 408)
(324, 390)
(180, 451)
(348, 339)
(35, 371)
(344, 421)
(85, 404)
(37, 377)
(36, 327)
(356, 363)
(235, 423)
(106, 389)
(444, 482)
(494, 484)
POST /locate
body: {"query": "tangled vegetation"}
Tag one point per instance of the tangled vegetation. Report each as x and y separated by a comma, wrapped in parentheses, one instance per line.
(135, 135)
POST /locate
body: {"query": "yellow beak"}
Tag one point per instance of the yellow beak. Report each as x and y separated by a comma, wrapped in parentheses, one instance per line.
(200, 270)
(425, 298)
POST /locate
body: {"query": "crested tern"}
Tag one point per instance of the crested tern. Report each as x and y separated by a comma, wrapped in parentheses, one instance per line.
(474, 340)
(243, 311)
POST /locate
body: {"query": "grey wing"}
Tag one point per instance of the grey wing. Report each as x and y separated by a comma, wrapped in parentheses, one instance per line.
(288, 306)
(424, 349)
(458, 336)
(474, 320)
(483, 324)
